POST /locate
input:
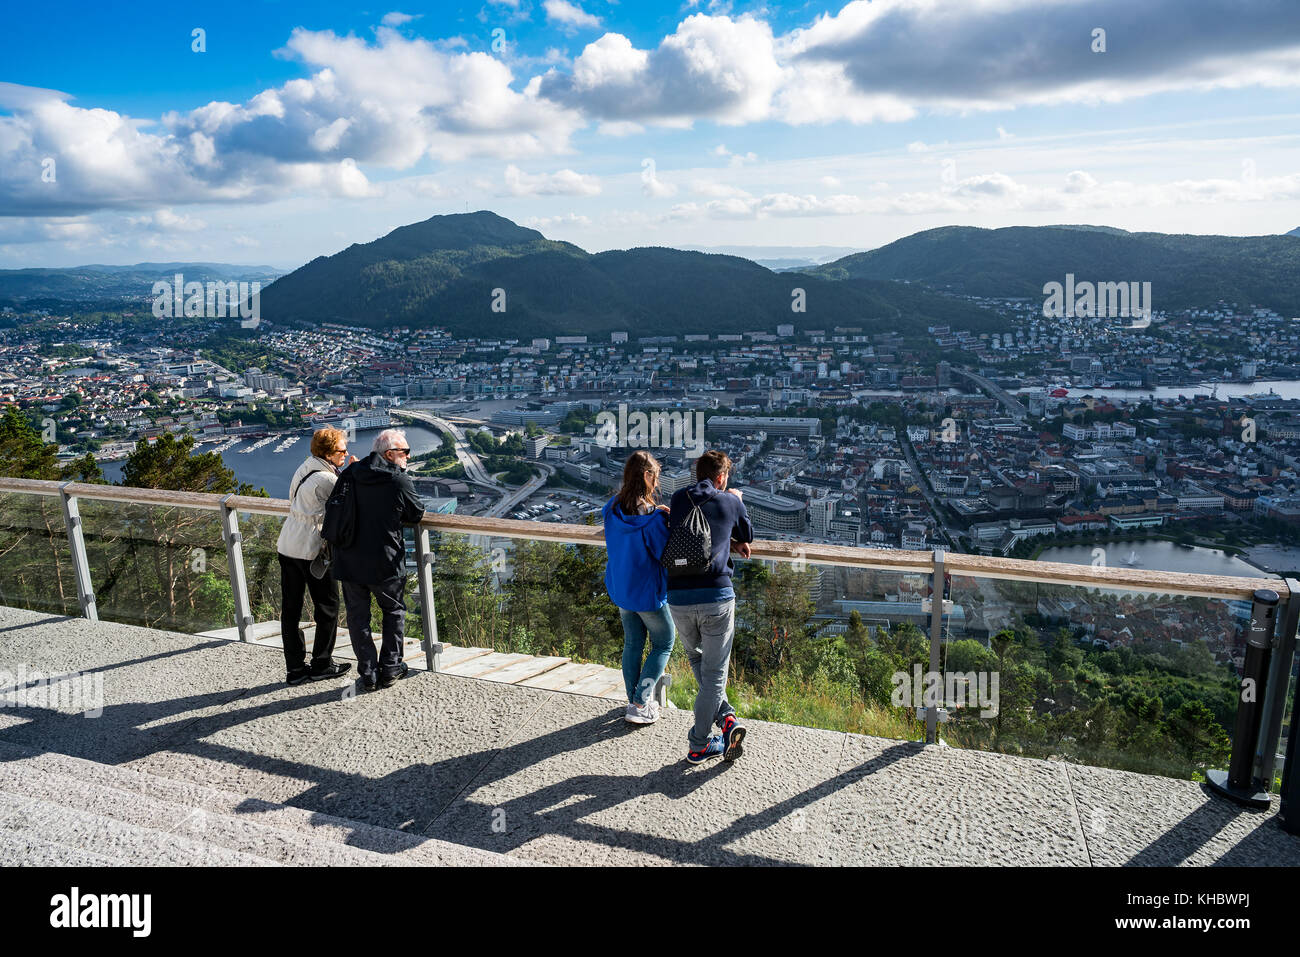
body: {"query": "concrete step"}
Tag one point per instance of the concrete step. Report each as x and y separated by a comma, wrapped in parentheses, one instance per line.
(195, 823)
(280, 833)
(20, 849)
(22, 816)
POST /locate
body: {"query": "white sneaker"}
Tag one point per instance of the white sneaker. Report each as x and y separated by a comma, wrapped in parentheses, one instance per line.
(647, 713)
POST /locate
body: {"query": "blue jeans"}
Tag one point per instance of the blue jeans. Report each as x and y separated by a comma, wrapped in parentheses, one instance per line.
(707, 632)
(640, 679)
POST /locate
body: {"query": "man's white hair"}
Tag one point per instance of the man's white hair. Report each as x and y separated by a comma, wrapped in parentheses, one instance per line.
(390, 439)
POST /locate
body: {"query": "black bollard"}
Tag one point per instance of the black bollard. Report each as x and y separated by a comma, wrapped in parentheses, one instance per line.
(1236, 783)
(1288, 811)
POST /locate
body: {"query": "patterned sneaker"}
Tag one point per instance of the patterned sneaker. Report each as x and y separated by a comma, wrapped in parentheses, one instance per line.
(733, 733)
(713, 749)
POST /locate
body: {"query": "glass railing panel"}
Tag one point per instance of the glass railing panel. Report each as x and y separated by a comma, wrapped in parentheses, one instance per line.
(264, 577)
(1288, 720)
(36, 570)
(523, 596)
(1137, 681)
(158, 566)
(816, 645)
(262, 567)
(825, 646)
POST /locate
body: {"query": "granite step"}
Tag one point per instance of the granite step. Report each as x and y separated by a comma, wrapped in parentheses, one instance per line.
(59, 785)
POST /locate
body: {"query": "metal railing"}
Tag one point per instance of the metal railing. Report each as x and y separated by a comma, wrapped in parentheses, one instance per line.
(937, 565)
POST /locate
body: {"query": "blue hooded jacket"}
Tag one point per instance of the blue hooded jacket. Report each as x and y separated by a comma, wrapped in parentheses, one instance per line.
(633, 576)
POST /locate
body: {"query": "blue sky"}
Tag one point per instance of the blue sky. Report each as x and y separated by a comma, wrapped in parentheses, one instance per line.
(301, 129)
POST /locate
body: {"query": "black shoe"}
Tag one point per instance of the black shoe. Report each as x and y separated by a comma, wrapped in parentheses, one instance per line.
(368, 681)
(387, 681)
(297, 677)
(333, 671)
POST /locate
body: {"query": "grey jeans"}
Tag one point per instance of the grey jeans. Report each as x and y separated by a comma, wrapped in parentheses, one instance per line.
(706, 632)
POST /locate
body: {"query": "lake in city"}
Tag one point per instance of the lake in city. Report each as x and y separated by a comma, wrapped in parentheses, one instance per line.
(1157, 556)
(271, 470)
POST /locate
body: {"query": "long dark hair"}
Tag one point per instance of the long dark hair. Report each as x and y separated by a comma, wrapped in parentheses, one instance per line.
(638, 487)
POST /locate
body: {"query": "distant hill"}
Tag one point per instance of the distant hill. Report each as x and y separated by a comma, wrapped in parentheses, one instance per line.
(1183, 270)
(1294, 232)
(100, 283)
(444, 271)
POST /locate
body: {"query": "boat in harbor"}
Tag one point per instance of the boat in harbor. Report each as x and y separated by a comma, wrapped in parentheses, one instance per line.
(258, 444)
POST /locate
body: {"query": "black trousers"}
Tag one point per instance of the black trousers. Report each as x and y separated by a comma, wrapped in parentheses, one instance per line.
(295, 579)
(391, 598)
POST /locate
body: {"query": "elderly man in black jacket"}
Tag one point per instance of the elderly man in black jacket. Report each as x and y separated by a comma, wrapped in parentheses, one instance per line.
(375, 562)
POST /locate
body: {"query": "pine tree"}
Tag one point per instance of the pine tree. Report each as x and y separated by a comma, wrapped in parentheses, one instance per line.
(169, 463)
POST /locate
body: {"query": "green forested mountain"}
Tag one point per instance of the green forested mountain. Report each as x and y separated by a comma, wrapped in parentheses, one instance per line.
(444, 272)
(1183, 270)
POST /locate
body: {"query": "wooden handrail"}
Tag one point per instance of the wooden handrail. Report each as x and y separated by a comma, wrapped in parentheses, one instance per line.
(976, 566)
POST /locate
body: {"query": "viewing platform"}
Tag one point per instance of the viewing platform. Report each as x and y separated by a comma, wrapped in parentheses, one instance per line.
(509, 745)
(203, 756)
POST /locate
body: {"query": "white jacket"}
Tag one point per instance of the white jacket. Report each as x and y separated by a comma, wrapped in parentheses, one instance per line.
(312, 486)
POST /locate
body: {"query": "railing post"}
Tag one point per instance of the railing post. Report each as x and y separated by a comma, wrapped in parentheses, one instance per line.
(1279, 681)
(428, 614)
(1237, 782)
(936, 640)
(77, 543)
(235, 563)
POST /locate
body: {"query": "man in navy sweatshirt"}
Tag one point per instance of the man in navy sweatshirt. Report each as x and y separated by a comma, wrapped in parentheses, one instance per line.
(704, 606)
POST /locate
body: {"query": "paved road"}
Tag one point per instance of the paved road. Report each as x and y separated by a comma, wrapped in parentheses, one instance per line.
(507, 504)
(1009, 402)
(467, 457)
(465, 453)
(930, 498)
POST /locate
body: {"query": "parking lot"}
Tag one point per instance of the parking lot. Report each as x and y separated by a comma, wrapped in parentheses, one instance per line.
(566, 506)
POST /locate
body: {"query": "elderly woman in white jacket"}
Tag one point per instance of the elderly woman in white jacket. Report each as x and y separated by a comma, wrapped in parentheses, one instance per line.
(298, 546)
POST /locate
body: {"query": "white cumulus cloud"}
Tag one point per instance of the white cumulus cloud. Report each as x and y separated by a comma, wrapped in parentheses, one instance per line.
(564, 182)
(570, 15)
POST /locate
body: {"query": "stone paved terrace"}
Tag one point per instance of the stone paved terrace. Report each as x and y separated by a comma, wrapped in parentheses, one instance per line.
(202, 755)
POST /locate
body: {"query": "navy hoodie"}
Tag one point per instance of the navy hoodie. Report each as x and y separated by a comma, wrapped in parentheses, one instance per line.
(728, 522)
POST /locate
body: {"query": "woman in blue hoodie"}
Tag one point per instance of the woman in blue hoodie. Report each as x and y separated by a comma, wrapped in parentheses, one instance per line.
(636, 531)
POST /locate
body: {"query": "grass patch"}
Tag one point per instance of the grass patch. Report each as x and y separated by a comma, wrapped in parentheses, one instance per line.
(807, 703)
